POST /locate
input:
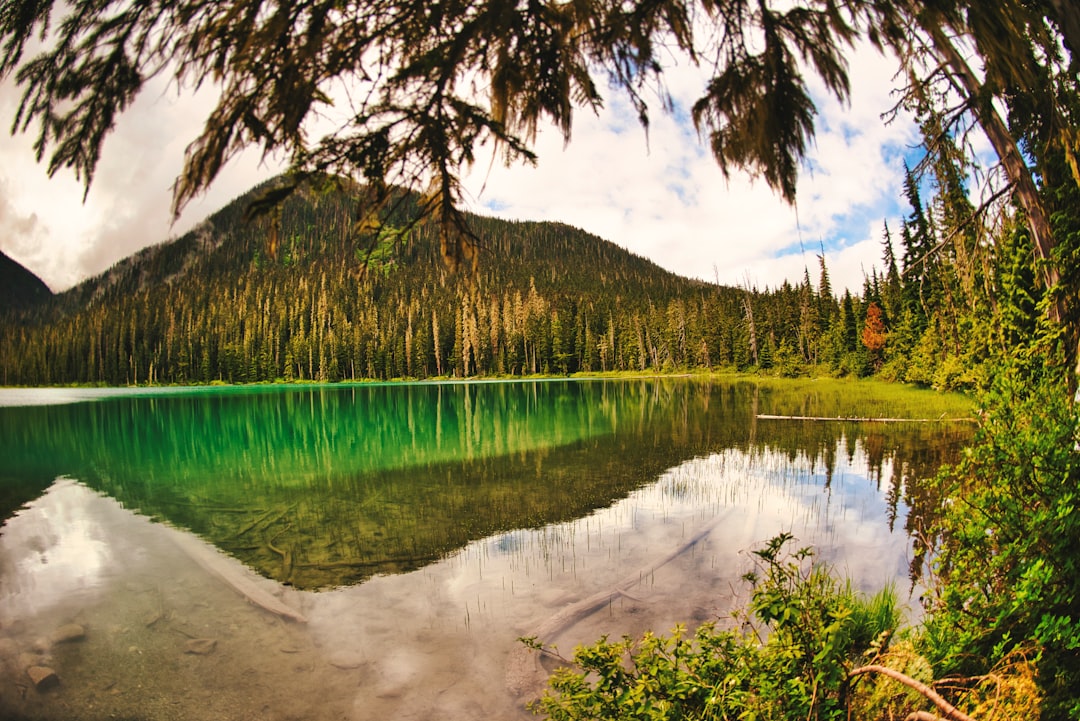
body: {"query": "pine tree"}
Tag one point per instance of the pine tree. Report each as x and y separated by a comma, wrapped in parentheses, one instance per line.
(892, 290)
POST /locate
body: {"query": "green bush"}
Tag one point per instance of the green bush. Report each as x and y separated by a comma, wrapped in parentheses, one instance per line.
(803, 632)
(1006, 569)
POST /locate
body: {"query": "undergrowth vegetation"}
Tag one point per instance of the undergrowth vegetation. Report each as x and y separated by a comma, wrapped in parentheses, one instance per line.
(999, 637)
(1006, 572)
(789, 656)
(807, 648)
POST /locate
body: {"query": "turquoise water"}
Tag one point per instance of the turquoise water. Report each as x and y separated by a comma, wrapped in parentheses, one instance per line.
(411, 526)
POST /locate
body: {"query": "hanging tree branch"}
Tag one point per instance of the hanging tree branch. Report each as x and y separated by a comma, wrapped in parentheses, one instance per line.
(504, 67)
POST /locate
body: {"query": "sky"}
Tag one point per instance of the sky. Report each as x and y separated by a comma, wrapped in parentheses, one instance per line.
(659, 195)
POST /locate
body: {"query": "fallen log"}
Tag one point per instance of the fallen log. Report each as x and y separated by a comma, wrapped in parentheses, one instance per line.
(386, 561)
(525, 675)
(233, 573)
(859, 419)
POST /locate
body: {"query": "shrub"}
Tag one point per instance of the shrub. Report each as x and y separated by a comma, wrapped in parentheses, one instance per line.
(803, 632)
(1006, 570)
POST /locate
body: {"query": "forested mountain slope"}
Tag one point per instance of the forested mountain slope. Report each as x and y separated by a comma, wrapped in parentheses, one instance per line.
(19, 288)
(300, 295)
(236, 301)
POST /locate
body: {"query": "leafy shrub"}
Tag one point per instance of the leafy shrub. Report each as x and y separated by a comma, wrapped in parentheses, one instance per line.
(1007, 570)
(803, 632)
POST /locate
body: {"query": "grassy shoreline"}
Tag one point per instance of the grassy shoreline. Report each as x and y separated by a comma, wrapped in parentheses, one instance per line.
(697, 373)
(880, 398)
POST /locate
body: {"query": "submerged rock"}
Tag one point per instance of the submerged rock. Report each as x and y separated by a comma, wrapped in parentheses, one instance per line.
(68, 633)
(347, 660)
(200, 646)
(43, 677)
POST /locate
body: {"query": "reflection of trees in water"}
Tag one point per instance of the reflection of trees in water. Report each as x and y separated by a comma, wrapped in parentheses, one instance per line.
(329, 486)
(897, 457)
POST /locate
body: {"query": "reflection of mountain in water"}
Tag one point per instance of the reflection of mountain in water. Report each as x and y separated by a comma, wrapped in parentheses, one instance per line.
(322, 487)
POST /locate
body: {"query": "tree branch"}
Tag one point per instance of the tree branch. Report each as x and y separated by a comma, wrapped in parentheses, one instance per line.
(956, 231)
(1006, 148)
(948, 710)
(921, 716)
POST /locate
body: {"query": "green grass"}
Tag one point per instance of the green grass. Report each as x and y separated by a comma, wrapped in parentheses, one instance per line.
(869, 398)
(864, 397)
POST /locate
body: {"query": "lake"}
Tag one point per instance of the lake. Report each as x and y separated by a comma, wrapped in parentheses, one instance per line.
(375, 551)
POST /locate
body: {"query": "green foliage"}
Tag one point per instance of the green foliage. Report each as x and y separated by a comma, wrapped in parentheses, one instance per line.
(381, 253)
(1006, 569)
(805, 631)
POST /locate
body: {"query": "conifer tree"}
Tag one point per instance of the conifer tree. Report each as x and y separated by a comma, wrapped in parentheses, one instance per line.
(892, 289)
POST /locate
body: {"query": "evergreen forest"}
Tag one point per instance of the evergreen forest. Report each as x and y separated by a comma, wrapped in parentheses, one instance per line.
(301, 296)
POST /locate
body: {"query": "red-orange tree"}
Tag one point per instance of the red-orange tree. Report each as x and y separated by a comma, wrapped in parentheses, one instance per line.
(874, 334)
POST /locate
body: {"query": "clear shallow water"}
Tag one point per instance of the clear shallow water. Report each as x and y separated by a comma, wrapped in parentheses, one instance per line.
(419, 530)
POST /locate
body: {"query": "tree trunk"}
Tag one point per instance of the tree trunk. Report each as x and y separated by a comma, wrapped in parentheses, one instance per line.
(1020, 176)
(749, 310)
(1005, 146)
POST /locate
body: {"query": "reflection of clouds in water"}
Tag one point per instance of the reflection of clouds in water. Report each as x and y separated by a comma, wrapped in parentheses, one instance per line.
(435, 642)
(53, 551)
(23, 397)
(518, 577)
(842, 512)
(439, 638)
(13, 397)
(853, 532)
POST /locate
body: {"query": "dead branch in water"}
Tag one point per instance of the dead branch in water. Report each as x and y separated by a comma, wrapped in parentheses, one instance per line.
(524, 675)
(233, 574)
(265, 519)
(286, 555)
(387, 561)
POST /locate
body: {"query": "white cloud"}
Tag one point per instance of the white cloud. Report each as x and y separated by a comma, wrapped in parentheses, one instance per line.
(661, 197)
(667, 199)
(128, 204)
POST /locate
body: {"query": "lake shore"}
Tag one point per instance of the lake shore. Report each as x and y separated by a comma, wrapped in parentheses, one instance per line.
(948, 405)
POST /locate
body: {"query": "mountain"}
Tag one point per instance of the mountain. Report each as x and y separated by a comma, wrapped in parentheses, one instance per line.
(306, 298)
(19, 288)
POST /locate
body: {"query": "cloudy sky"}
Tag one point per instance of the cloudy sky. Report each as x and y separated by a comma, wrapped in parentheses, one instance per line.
(661, 196)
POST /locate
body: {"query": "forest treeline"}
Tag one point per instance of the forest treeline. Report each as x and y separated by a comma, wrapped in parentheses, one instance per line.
(302, 296)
